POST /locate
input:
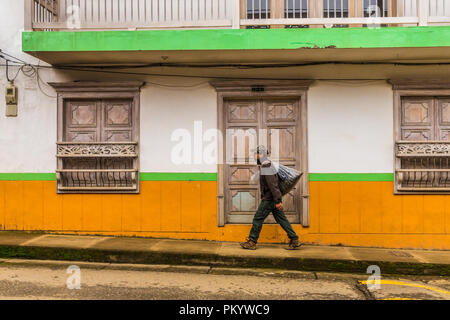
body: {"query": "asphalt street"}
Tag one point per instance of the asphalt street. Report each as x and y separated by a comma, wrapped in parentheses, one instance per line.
(65, 280)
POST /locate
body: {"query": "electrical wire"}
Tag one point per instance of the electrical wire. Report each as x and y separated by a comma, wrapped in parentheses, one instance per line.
(35, 71)
(27, 69)
(12, 57)
(107, 69)
(7, 72)
(188, 76)
(39, 80)
(261, 66)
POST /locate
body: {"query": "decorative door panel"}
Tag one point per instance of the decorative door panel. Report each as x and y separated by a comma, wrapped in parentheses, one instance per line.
(249, 123)
(239, 142)
(282, 143)
(243, 201)
(82, 114)
(417, 134)
(242, 111)
(117, 121)
(247, 175)
(417, 112)
(417, 119)
(289, 204)
(276, 111)
(82, 121)
(80, 136)
(443, 114)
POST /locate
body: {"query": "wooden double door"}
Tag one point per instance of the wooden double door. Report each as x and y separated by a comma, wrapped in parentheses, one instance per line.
(424, 126)
(274, 123)
(425, 119)
(99, 123)
(100, 120)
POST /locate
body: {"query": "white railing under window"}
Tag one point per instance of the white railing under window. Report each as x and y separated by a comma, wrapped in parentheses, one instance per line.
(157, 14)
(97, 167)
(133, 14)
(346, 13)
(422, 166)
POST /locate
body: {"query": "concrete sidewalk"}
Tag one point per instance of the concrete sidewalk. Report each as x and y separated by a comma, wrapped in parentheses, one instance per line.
(221, 254)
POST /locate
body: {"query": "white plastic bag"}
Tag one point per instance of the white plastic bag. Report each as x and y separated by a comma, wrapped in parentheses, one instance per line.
(287, 177)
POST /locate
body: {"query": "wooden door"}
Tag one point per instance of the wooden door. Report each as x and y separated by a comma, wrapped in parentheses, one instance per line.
(98, 121)
(425, 119)
(82, 124)
(443, 119)
(249, 123)
(117, 126)
(417, 120)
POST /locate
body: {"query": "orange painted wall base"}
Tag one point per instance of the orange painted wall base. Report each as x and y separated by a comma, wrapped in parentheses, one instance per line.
(347, 213)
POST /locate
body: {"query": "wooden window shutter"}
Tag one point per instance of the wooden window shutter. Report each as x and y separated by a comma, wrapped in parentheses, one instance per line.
(98, 137)
(422, 129)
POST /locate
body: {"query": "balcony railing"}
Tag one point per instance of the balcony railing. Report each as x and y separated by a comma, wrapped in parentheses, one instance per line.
(97, 167)
(177, 14)
(422, 166)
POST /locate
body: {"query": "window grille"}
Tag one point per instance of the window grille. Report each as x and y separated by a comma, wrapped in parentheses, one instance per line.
(423, 166)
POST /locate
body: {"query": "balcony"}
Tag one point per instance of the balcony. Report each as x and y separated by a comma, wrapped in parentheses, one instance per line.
(72, 15)
(97, 167)
(422, 166)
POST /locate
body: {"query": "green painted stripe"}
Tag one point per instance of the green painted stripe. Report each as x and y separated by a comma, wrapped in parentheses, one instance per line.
(236, 39)
(144, 176)
(27, 176)
(351, 177)
(178, 176)
(201, 176)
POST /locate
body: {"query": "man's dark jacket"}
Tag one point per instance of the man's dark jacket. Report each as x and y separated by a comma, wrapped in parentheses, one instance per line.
(268, 182)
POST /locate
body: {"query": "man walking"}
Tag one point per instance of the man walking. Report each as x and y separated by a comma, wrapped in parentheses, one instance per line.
(271, 202)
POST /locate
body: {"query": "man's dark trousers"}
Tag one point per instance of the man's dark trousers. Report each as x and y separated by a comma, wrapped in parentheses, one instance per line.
(264, 209)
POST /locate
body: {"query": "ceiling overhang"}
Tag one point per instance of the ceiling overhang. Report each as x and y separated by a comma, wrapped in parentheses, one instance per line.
(395, 44)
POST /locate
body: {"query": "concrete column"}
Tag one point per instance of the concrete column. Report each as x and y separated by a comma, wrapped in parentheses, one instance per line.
(28, 15)
(236, 13)
(423, 9)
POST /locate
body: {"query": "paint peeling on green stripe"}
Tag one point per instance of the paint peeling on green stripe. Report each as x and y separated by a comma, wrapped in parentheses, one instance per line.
(178, 176)
(236, 39)
(27, 176)
(351, 177)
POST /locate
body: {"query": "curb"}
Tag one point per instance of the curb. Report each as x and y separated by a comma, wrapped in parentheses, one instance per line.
(217, 261)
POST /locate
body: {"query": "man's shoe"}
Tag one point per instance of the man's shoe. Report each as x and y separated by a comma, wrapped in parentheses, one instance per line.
(294, 244)
(249, 245)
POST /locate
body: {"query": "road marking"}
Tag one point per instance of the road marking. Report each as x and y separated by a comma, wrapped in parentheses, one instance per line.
(400, 299)
(400, 283)
(34, 240)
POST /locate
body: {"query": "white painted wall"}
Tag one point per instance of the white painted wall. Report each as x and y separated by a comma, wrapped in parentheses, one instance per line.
(164, 110)
(350, 124)
(27, 143)
(350, 127)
